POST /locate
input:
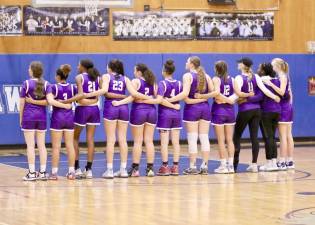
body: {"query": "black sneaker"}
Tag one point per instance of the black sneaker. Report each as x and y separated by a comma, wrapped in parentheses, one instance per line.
(133, 172)
(203, 171)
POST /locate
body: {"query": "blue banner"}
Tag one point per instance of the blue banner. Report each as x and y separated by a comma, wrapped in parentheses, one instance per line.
(14, 70)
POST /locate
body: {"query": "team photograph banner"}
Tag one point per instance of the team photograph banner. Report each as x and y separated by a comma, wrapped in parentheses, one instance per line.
(10, 20)
(234, 26)
(65, 21)
(153, 25)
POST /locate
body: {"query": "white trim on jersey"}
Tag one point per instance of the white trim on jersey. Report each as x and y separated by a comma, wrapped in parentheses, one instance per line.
(164, 87)
(45, 85)
(56, 86)
(27, 86)
(72, 90)
(179, 86)
(82, 77)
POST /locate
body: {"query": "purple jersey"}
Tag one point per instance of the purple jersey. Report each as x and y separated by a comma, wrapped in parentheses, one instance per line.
(286, 104)
(62, 91)
(199, 111)
(169, 88)
(89, 85)
(249, 85)
(147, 90)
(268, 104)
(286, 100)
(226, 89)
(117, 85)
(33, 112)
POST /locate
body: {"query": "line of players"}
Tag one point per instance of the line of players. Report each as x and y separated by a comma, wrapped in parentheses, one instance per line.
(264, 100)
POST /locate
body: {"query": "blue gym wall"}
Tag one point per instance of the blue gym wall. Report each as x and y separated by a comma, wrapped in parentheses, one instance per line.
(14, 69)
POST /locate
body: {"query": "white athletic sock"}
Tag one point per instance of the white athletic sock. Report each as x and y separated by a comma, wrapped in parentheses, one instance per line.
(71, 169)
(223, 162)
(204, 164)
(54, 170)
(231, 161)
(274, 162)
(31, 167)
(123, 165)
(193, 165)
(42, 168)
(290, 159)
(109, 166)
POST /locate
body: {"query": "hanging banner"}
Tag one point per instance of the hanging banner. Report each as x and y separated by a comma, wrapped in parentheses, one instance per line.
(65, 21)
(234, 26)
(164, 25)
(10, 20)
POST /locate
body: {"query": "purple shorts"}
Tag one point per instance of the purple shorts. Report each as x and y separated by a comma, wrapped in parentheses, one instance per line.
(87, 115)
(111, 112)
(34, 125)
(286, 115)
(221, 120)
(166, 123)
(196, 112)
(62, 125)
(139, 117)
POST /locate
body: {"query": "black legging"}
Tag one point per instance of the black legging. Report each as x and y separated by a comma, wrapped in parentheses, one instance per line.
(269, 123)
(252, 118)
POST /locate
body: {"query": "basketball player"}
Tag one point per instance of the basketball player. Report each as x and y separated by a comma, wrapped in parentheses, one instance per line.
(197, 113)
(286, 117)
(114, 85)
(270, 118)
(249, 86)
(142, 119)
(223, 116)
(33, 120)
(86, 116)
(169, 118)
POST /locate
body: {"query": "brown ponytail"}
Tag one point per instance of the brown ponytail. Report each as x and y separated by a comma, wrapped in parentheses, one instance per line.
(37, 70)
(201, 79)
(147, 74)
(90, 69)
(221, 70)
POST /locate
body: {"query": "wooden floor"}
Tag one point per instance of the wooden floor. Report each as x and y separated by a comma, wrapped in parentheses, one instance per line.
(240, 199)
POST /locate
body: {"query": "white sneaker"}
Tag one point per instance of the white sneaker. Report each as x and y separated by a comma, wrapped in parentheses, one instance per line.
(42, 176)
(88, 174)
(108, 174)
(253, 168)
(230, 169)
(266, 166)
(282, 166)
(221, 169)
(30, 176)
(122, 173)
(290, 165)
(78, 173)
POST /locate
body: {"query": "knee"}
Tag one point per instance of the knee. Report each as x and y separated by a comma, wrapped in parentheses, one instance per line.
(148, 141)
(204, 141)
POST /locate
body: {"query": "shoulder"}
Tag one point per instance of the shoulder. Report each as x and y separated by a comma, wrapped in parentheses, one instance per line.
(187, 76)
